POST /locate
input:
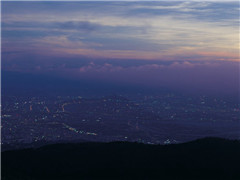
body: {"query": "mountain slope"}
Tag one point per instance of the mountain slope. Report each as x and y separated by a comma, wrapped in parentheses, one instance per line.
(209, 158)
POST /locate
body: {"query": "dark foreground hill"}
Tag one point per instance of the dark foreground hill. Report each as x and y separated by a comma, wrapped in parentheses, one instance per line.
(206, 159)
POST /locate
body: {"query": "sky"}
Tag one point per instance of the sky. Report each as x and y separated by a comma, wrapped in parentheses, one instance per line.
(190, 46)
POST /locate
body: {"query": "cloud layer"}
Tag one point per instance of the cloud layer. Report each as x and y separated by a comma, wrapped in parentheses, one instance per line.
(184, 45)
(155, 30)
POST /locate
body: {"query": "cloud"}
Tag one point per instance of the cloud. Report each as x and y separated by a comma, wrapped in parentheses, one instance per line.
(183, 45)
(92, 67)
(208, 77)
(156, 30)
(85, 26)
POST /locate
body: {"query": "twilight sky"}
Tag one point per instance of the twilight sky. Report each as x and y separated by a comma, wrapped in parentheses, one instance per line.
(181, 45)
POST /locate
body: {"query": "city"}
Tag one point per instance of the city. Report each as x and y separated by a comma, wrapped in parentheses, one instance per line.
(120, 90)
(159, 119)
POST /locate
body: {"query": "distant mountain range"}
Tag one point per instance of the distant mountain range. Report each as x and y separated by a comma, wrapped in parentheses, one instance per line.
(205, 159)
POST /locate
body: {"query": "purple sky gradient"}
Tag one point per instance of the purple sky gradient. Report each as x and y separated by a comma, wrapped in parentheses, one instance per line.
(189, 46)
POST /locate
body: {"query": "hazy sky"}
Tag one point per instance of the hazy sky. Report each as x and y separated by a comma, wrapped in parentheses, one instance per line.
(172, 44)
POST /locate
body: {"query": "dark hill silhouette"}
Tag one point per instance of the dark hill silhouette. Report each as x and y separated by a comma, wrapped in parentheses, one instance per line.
(205, 159)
